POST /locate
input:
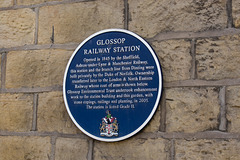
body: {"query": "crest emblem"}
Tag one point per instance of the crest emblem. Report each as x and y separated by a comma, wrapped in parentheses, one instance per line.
(109, 125)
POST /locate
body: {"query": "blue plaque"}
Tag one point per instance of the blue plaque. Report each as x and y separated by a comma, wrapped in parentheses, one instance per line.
(112, 85)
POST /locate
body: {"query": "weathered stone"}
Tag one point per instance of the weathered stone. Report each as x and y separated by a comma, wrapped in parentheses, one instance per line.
(24, 148)
(36, 68)
(74, 149)
(30, 2)
(236, 13)
(6, 3)
(149, 17)
(16, 112)
(233, 108)
(17, 27)
(175, 59)
(207, 149)
(191, 109)
(52, 114)
(218, 58)
(74, 22)
(0, 69)
(134, 149)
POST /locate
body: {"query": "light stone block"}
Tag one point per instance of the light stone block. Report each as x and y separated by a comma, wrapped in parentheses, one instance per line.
(149, 17)
(52, 114)
(6, 3)
(175, 59)
(74, 149)
(36, 68)
(24, 148)
(207, 149)
(16, 111)
(17, 27)
(218, 58)
(233, 108)
(236, 13)
(192, 109)
(134, 149)
(76, 21)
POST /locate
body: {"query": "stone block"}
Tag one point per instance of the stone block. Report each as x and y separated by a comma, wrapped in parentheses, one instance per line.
(52, 114)
(192, 109)
(218, 58)
(134, 149)
(175, 59)
(74, 149)
(17, 27)
(6, 3)
(36, 68)
(24, 148)
(76, 21)
(31, 2)
(233, 108)
(236, 13)
(207, 149)
(149, 17)
(16, 111)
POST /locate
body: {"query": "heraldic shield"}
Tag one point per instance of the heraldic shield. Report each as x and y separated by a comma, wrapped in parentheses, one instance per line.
(109, 125)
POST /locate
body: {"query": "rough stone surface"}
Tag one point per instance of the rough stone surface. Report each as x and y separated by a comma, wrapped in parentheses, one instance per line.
(36, 68)
(0, 69)
(29, 2)
(24, 148)
(134, 149)
(192, 109)
(149, 17)
(74, 149)
(207, 149)
(52, 114)
(218, 58)
(74, 22)
(236, 13)
(175, 59)
(16, 112)
(17, 27)
(233, 108)
(6, 3)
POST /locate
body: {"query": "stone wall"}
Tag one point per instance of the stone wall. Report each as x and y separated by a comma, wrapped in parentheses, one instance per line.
(197, 42)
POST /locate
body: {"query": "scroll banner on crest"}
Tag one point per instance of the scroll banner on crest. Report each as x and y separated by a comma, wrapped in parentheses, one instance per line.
(112, 85)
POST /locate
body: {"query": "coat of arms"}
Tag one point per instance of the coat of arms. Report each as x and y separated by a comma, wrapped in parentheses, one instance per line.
(109, 125)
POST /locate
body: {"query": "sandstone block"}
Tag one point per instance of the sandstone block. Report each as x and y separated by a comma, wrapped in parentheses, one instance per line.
(233, 108)
(218, 58)
(24, 148)
(175, 59)
(134, 149)
(74, 149)
(149, 17)
(52, 114)
(207, 149)
(74, 22)
(16, 111)
(17, 27)
(36, 68)
(192, 109)
(6, 3)
(236, 13)
(30, 2)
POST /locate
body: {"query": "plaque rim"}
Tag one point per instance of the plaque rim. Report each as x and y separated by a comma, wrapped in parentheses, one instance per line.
(159, 94)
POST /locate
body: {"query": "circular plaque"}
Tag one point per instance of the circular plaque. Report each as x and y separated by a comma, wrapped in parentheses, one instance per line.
(112, 85)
